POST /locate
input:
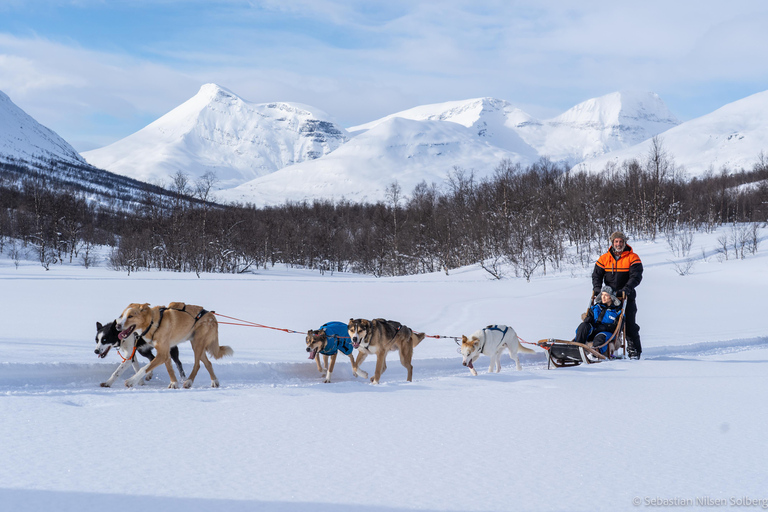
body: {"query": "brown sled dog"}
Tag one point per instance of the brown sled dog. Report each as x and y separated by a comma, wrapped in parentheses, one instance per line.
(380, 336)
(165, 327)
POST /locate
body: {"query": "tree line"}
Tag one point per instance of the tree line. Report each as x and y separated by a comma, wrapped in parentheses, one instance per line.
(522, 219)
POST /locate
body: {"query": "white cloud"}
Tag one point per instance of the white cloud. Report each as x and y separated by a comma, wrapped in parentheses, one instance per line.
(359, 60)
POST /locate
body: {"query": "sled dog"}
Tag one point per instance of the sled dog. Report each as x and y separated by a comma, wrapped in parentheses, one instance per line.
(107, 337)
(492, 341)
(380, 336)
(328, 341)
(166, 327)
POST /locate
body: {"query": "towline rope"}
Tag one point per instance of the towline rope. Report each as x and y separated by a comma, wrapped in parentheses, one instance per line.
(248, 323)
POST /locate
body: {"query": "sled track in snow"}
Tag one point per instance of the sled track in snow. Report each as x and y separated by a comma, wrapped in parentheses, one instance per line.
(52, 378)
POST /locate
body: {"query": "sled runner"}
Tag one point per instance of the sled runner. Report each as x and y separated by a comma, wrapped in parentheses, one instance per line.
(561, 353)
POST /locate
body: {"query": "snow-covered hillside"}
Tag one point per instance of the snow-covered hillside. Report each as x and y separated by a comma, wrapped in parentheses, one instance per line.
(492, 121)
(733, 136)
(599, 126)
(397, 149)
(217, 131)
(593, 127)
(424, 143)
(23, 138)
(685, 423)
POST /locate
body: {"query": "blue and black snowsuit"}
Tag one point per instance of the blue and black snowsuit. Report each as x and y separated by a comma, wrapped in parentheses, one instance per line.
(599, 324)
(337, 339)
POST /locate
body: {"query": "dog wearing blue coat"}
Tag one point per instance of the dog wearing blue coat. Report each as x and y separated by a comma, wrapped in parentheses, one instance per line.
(328, 341)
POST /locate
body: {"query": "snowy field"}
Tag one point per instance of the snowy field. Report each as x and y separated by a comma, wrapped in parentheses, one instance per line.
(683, 427)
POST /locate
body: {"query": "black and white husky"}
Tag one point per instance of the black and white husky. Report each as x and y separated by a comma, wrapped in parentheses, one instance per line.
(107, 337)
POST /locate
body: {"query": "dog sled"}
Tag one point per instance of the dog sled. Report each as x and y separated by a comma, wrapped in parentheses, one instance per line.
(564, 353)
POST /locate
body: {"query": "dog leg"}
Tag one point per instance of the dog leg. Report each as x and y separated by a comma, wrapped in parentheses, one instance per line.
(330, 368)
(360, 358)
(161, 358)
(177, 361)
(174, 383)
(381, 365)
(319, 365)
(354, 365)
(146, 352)
(406, 356)
(515, 357)
(209, 367)
(474, 358)
(199, 350)
(325, 362)
(115, 375)
(136, 368)
(498, 359)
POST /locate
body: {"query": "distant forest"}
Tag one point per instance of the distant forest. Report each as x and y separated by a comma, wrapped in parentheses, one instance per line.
(520, 220)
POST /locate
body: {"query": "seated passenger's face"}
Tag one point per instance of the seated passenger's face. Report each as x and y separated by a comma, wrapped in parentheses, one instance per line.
(605, 298)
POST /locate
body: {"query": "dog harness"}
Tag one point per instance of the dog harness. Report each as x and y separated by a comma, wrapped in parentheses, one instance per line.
(162, 312)
(494, 328)
(337, 339)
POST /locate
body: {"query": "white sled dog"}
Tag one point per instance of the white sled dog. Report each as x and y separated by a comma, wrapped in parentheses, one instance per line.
(491, 341)
(166, 327)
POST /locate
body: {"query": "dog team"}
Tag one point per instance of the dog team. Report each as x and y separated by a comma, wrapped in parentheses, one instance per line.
(141, 328)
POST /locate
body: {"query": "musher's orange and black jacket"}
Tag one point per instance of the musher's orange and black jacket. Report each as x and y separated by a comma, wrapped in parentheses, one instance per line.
(623, 273)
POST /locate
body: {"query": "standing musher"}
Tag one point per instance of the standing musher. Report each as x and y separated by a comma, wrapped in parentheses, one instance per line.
(621, 269)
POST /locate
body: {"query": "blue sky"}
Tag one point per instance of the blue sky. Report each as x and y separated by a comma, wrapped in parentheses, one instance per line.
(98, 70)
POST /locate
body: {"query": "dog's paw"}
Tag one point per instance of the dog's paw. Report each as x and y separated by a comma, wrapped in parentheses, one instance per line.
(326, 381)
(187, 384)
(105, 385)
(129, 383)
(361, 373)
(215, 383)
(374, 381)
(148, 376)
(173, 385)
(474, 372)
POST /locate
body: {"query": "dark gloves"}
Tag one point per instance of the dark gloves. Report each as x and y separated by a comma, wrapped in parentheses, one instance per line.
(627, 292)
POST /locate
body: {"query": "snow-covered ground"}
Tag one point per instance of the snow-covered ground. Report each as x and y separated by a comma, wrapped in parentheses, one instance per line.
(687, 422)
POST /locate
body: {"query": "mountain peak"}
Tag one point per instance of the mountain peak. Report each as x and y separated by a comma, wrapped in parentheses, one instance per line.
(618, 107)
(218, 131)
(212, 90)
(22, 137)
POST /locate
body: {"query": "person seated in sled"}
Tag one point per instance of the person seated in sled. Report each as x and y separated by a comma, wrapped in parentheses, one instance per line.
(600, 320)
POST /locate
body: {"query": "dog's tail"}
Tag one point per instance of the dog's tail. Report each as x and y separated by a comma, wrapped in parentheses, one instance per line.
(225, 350)
(525, 350)
(417, 337)
(213, 347)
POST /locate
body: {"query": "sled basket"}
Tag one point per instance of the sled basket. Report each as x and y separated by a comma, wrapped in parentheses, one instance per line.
(563, 353)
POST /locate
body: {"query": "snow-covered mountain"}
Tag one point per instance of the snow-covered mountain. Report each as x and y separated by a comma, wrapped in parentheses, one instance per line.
(493, 121)
(424, 143)
(23, 138)
(594, 127)
(731, 136)
(598, 126)
(396, 149)
(218, 131)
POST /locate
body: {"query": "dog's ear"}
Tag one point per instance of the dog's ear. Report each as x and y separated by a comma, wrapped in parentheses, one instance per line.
(309, 332)
(463, 339)
(98, 326)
